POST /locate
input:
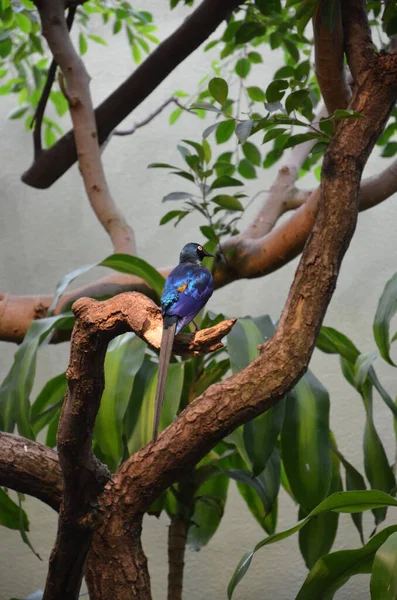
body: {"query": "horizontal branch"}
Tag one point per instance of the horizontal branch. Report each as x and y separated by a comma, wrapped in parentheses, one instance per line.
(30, 468)
(272, 251)
(55, 161)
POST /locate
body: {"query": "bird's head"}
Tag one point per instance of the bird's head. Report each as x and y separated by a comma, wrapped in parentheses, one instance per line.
(193, 253)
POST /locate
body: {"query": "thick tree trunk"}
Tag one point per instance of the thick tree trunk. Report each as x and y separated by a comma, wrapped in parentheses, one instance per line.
(116, 567)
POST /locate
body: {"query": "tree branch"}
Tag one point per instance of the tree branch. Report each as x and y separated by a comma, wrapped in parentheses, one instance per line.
(45, 94)
(30, 468)
(283, 194)
(329, 56)
(55, 161)
(359, 47)
(282, 361)
(150, 117)
(84, 476)
(82, 113)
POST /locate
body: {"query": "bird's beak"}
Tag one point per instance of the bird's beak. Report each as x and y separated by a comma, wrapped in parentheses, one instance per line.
(205, 253)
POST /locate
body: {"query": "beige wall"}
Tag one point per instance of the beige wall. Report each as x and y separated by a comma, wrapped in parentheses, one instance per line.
(44, 234)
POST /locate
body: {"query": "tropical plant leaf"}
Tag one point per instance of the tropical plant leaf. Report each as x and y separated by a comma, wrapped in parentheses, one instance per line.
(340, 502)
(384, 570)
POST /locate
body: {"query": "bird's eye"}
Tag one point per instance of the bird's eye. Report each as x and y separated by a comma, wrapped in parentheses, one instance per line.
(199, 248)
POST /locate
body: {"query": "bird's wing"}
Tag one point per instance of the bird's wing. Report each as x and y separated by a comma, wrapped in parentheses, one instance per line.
(193, 294)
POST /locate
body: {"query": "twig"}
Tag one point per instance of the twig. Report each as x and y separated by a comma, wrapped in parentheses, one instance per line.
(40, 110)
(150, 117)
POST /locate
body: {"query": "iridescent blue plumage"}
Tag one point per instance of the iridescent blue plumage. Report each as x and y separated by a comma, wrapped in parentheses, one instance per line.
(186, 291)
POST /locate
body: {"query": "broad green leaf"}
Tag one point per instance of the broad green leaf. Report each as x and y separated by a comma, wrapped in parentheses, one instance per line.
(225, 181)
(23, 528)
(354, 481)
(332, 341)
(276, 90)
(209, 504)
(218, 89)
(256, 94)
(243, 67)
(228, 202)
(387, 308)
(66, 281)
(17, 386)
(331, 572)
(252, 153)
(248, 31)
(340, 502)
(246, 169)
(135, 266)
(242, 343)
(295, 100)
(122, 362)
(10, 512)
(139, 416)
(260, 436)
(317, 537)
(48, 402)
(82, 44)
(305, 442)
(225, 130)
(384, 570)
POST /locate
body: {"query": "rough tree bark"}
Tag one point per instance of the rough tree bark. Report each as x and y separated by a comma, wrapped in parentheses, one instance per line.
(104, 518)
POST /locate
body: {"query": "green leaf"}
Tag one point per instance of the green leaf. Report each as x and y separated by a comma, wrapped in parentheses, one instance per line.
(387, 308)
(209, 506)
(225, 130)
(333, 571)
(276, 90)
(205, 106)
(261, 434)
(243, 130)
(139, 415)
(97, 39)
(354, 481)
(332, 341)
(17, 386)
(228, 202)
(225, 181)
(384, 570)
(218, 89)
(124, 263)
(317, 537)
(340, 502)
(10, 512)
(306, 426)
(246, 169)
(65, 282)
(48, 402)
(252, 153)
(173, 214)
(256, 94)
(248, 31)
(176, 113)
(273, 134)
(122, 362)
(23, 22)
(300, 138)
(295, 100)
(23, 528)
(243, 67)
(82, 44)
(255, 57)
(242, 343)
(177, 196)
(347, 114)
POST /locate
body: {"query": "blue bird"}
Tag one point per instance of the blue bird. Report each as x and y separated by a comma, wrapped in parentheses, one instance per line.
(187, 289)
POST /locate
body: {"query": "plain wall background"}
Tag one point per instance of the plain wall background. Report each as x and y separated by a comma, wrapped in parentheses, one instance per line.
(47, 233)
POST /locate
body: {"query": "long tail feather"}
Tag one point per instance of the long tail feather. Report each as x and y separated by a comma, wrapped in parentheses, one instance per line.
(167, 341)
